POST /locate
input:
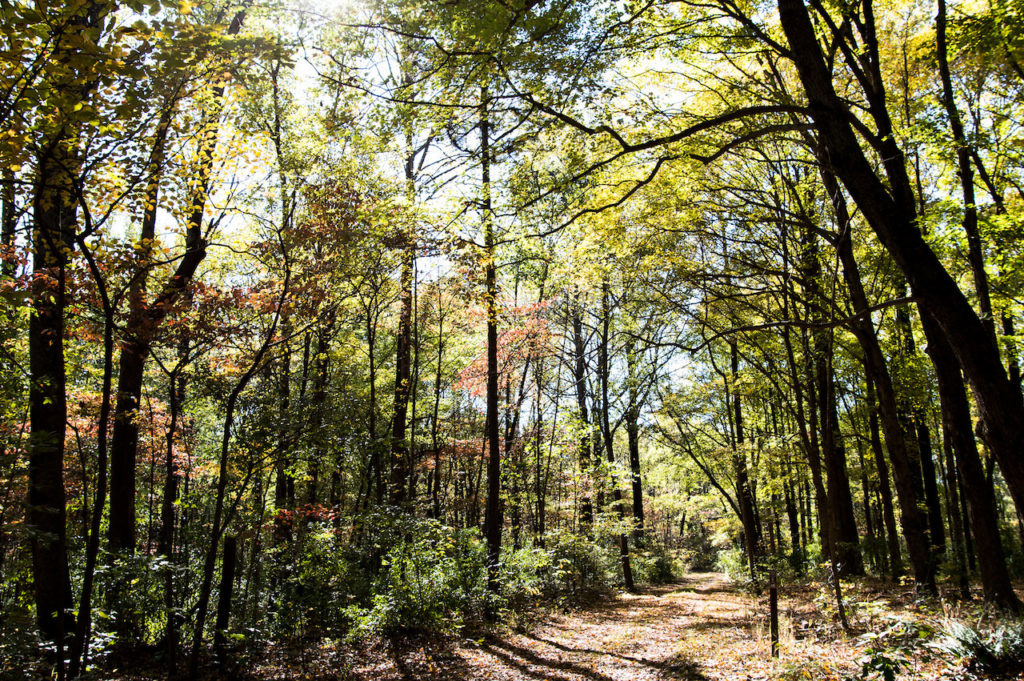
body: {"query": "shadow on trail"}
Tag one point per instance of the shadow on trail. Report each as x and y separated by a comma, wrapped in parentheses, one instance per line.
(436, 660)
(705, 590)
(687, 670)
(632, 636)
(536, 665)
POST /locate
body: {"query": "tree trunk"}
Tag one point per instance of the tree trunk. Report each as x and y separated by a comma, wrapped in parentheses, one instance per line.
(227, 588)
(892, 216)
(8, 223)
(54, 222)
(796, 555)
(907, 489)
(284, 483)
(83, 629)
(143, 322)
(54, 213)
(400, 464)
(744, 494)
(892, 540)
(936, 527)
(956, 415)
(165, 544)
(580, 383)
(956, 520)
(492, 512)
(975, 255)
(632, 417)
(218, 525)
(841, 521)
(623, 538)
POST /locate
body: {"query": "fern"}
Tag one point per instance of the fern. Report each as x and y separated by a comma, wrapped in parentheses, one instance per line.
(997, 652)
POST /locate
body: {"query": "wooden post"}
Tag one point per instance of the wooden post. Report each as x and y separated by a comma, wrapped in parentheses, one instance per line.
(773, 612)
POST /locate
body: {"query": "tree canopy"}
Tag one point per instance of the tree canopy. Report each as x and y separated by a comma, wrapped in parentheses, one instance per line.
(331, 320)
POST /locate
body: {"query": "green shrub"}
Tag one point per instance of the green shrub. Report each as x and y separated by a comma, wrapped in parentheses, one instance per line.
(20, 647)
(879, 665)
(129, 601)
(580, 567)
(318, 577)
(525, 577)
(888, 651)
(655, 564)
(699, 552)
(997, 652)
(733, 562)
(432, 577)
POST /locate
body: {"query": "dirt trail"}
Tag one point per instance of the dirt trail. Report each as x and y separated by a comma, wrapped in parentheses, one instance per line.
(698, 629)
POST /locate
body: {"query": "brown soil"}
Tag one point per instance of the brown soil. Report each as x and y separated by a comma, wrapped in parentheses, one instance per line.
(701, 628)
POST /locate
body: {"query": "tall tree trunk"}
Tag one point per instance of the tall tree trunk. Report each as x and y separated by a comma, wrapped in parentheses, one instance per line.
(869, 526)
(956, 415)
(744, 493)
(841, 521)
(435, 414)
(165, 543)
(284, 483)
(8, 223)
(890, 210)
(376, 465)
(623, 538)
(956, 520)
(227, 584)
(83, 628)
(846, 538)
(579, 375)
(892, 540)
(936, 527)
(905, 470)
(318, 408)
(219, 524)
(400, 464)
(632, 418)
(143, 322)
(493, 511)
(975, 254)
(796, 554)
(55, 192)
(540, 488)
(54, 213)
(806, 409)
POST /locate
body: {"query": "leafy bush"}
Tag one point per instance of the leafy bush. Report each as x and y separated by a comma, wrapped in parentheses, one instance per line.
(656, 564)
(20, 647)
(995, 653)
(432, 577)
(580, 567)
(525, 577)
(888, 651)
(880, 665)
(733, 562)
(1014, 550)
(804, 670)
(131, 586)
(699, 552)
(318, 577)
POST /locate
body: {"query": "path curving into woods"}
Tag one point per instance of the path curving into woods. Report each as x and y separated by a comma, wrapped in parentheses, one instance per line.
(701, 628)
(668, 632)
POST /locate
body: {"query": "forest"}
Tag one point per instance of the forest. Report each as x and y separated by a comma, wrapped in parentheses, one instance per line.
(511, 339)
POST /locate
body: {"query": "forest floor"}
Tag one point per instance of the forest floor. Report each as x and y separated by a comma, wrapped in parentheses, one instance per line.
(701, 628)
